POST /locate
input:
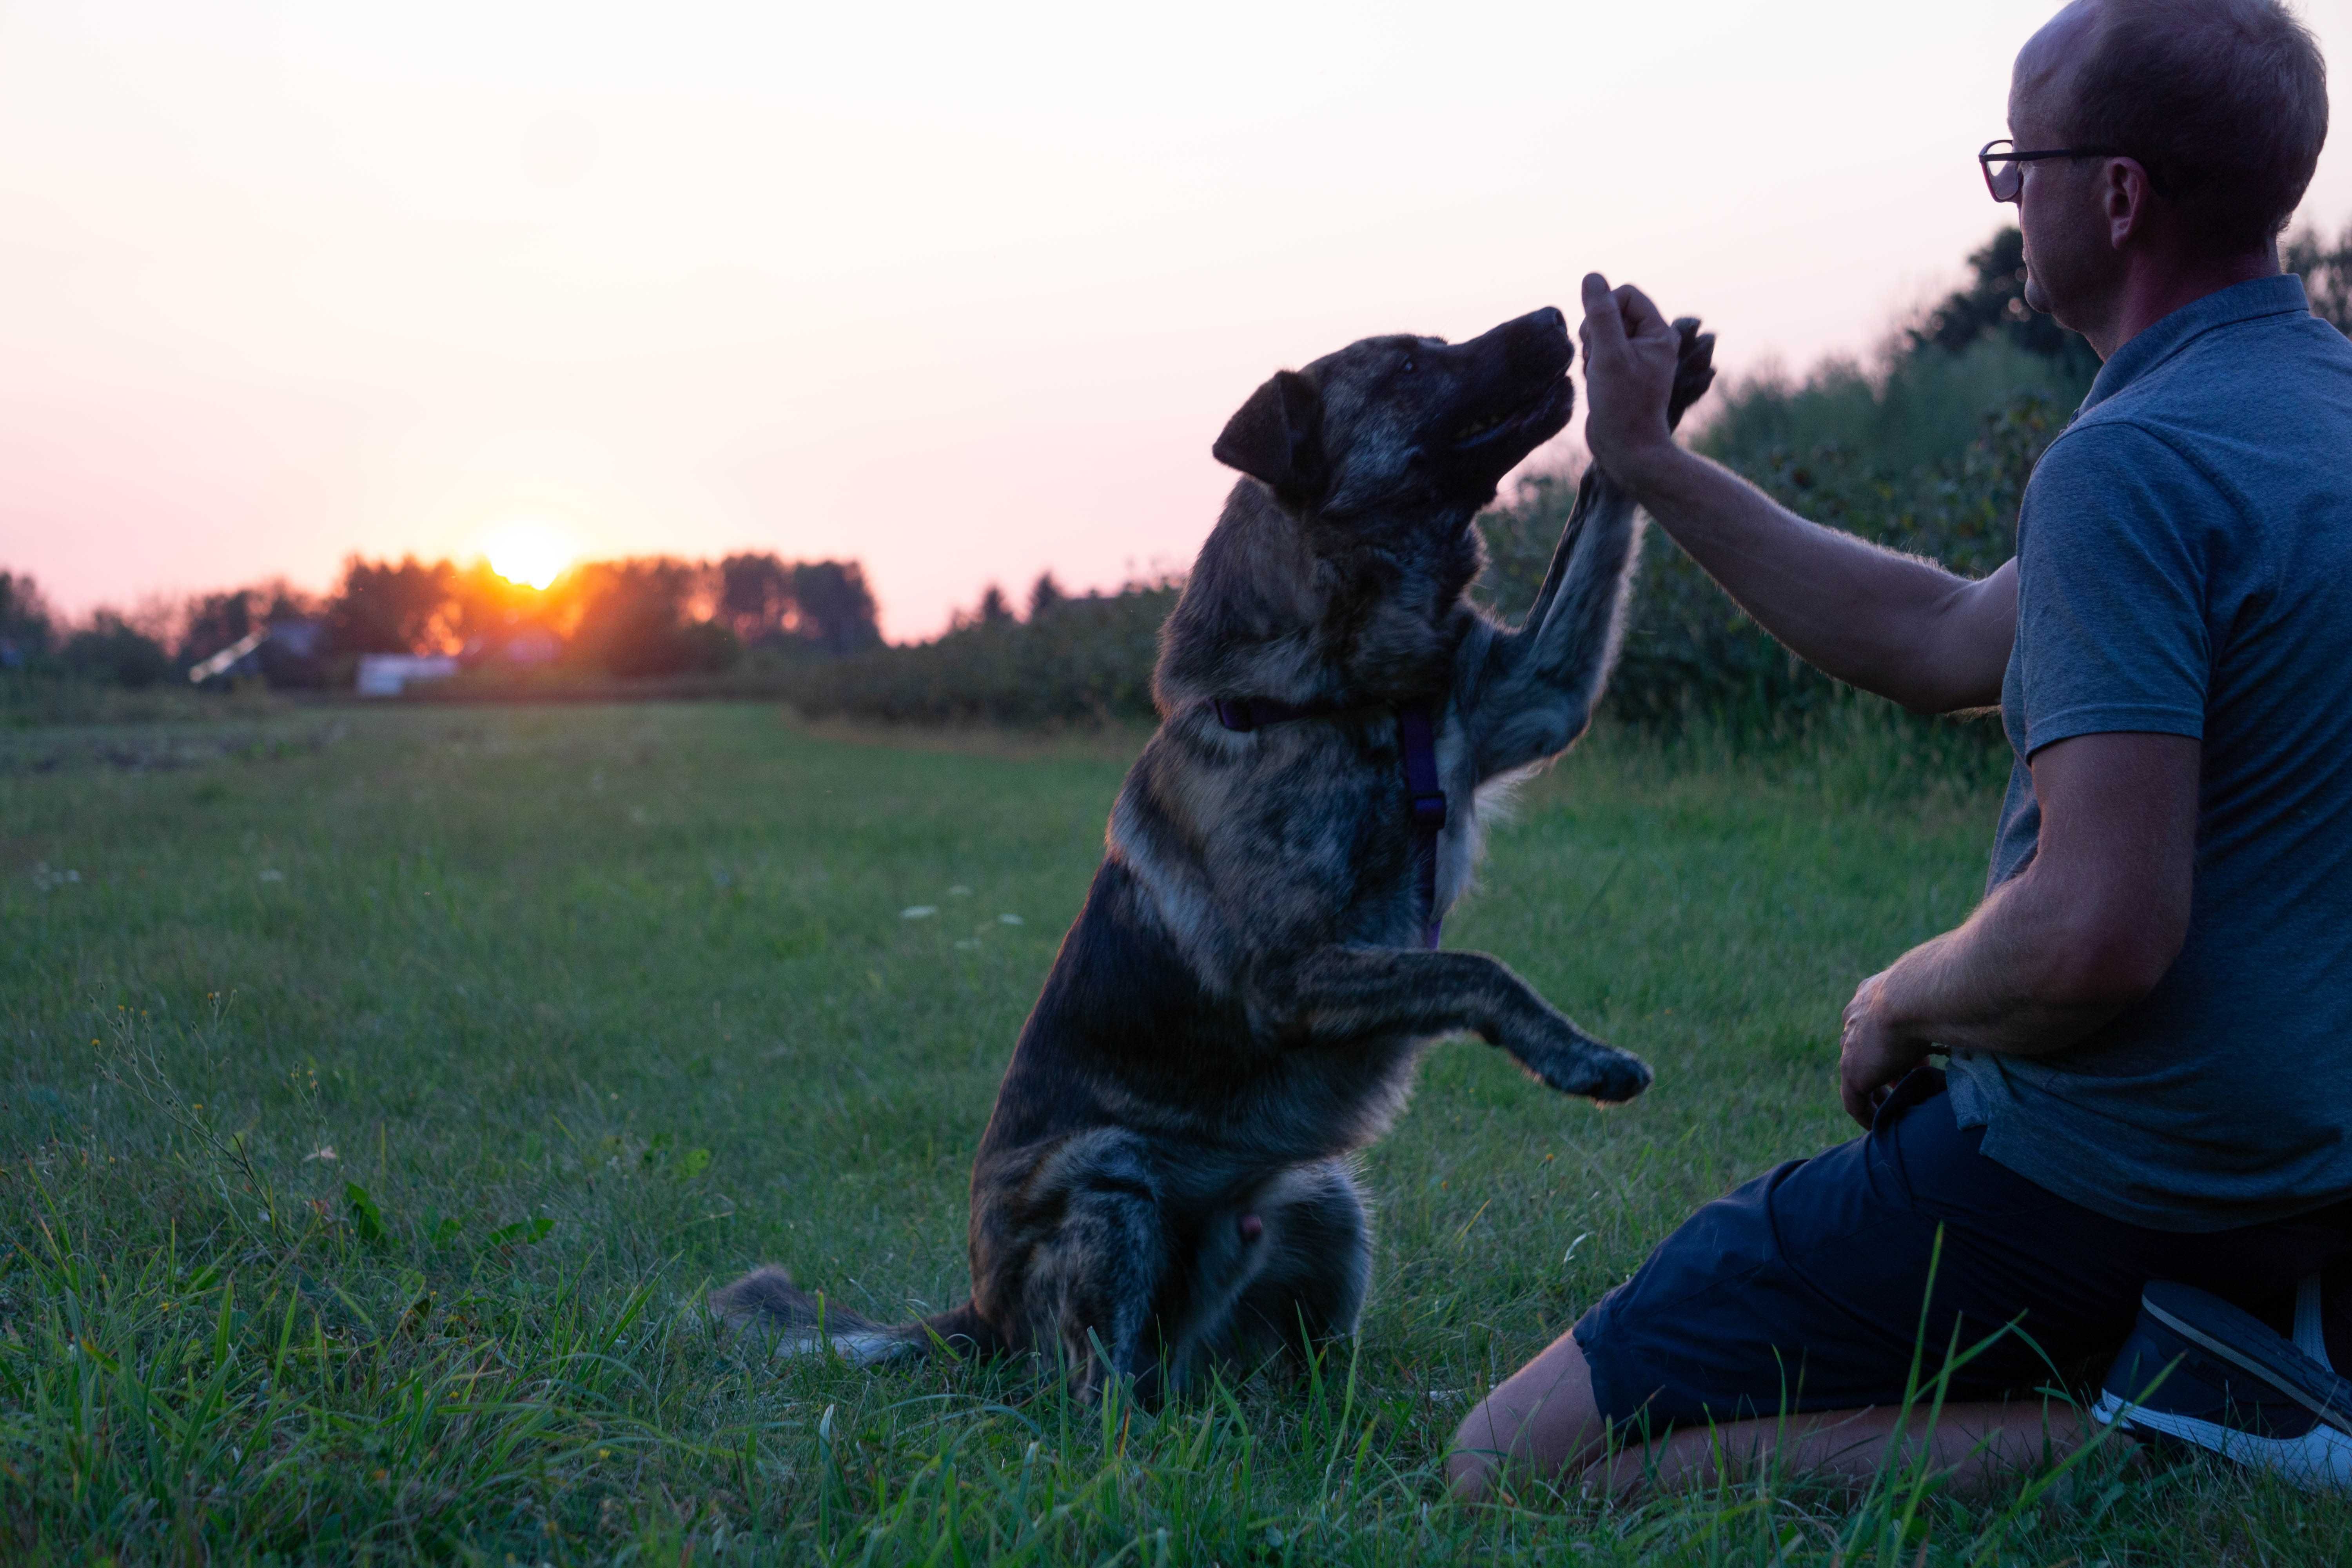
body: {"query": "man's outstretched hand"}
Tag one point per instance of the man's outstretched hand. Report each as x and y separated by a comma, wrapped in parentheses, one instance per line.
(1629, 373)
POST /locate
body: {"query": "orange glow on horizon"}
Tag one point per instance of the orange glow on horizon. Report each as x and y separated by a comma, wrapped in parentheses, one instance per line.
(529, 551)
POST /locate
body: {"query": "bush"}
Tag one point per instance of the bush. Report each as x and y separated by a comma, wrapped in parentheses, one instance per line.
(112, 652)
(1691, 653)
(1078, 660)
(2327, 274)
(26, 624)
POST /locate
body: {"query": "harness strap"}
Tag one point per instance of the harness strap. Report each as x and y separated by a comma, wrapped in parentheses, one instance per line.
(1416, 739)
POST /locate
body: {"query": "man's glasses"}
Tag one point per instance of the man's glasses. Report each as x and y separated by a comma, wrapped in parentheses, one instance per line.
(2004, 165)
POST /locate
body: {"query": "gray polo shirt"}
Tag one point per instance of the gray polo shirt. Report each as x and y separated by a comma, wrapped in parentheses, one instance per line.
(2184, 565)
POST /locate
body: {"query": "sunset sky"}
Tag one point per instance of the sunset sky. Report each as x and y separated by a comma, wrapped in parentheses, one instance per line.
(961, 291)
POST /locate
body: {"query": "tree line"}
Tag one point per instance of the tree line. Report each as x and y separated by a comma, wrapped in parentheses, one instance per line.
(640, 616)
(1927, 448)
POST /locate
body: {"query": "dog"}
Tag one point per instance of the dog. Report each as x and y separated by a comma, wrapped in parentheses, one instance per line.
(1165, 1185)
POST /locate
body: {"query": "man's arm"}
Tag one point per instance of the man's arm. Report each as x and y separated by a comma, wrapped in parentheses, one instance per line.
(2084, 930)
(1887, 623)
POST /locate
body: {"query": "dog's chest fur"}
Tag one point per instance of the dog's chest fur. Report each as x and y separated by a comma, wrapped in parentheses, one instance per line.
(1227, 853)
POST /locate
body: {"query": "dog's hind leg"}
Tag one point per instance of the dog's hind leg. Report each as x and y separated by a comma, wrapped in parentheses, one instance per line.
(1317, 1265)
(1283, 1268)
(1096, 1268)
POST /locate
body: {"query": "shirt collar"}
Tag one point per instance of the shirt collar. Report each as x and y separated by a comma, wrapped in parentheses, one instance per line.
(2279, 296)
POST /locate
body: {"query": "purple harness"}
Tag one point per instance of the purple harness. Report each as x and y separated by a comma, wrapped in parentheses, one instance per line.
(1416, 739)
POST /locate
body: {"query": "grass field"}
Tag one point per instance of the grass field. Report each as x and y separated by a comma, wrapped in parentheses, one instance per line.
(379, 1091)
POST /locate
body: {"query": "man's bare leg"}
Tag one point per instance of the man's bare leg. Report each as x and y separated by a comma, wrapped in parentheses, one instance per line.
(1541, 1422)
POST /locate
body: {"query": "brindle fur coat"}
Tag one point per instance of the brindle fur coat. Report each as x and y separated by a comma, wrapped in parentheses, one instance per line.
(1165, 1183)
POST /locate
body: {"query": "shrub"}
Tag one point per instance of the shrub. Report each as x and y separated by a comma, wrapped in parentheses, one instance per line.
(2327, 274)
(110, 651)
(1079, 660)
(1691, 653)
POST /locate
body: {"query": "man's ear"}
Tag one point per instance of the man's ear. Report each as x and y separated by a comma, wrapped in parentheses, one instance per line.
(1277, 437)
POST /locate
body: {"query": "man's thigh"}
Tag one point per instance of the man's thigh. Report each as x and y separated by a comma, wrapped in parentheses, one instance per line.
(1860, 1276)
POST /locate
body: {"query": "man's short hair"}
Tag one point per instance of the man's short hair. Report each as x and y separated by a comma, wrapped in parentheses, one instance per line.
(2224, 102)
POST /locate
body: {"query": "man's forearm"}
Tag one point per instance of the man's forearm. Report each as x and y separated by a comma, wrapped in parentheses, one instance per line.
(2049, 956)
(1887, 623)
(1992, 985)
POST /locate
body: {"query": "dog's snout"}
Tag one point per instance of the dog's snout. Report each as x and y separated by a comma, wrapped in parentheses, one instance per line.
(1538, 343)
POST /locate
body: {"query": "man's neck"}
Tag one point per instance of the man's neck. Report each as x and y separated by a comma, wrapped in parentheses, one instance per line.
(2153, 287)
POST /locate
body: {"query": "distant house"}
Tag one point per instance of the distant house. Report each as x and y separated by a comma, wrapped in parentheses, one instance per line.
(525, 646)
(387, 674)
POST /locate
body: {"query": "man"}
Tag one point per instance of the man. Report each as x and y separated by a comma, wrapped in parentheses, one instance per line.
(2149, 1016)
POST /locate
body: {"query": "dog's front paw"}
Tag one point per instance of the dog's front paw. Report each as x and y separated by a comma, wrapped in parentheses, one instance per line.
(1693, 368)
(1594, 1071)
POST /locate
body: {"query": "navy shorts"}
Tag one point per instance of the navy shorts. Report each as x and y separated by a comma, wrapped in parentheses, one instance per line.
(1805, 1288)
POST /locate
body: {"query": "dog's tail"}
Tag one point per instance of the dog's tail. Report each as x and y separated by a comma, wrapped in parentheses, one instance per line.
(766, 1300)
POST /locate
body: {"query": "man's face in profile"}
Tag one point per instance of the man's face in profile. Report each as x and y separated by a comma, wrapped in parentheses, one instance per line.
(2067, 256)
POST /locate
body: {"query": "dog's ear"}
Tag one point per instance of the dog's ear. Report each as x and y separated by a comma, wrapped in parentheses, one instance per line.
(1277, 437)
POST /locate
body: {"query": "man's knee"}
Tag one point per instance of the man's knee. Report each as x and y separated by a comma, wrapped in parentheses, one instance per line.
(1540, 1420)
(1475, 1458)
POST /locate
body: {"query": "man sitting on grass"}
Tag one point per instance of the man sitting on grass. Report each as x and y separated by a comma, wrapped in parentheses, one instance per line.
(2147, 1110)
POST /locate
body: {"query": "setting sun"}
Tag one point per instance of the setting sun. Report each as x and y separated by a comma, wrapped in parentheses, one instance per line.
(528, 552)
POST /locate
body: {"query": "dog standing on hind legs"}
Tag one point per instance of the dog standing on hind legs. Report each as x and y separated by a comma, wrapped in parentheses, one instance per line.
(1165, 1185)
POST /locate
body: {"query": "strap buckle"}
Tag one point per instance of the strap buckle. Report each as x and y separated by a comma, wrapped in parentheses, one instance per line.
(1429, 811)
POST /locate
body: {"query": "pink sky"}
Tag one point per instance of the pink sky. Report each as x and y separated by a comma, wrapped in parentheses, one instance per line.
(964, 292)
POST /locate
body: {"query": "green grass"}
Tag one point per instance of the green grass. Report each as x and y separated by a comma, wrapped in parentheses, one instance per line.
(379, 1090)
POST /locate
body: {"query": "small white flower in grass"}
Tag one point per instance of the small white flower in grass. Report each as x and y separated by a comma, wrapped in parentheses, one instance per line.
(919, 912)
(323, 1151)
(969, 943)
(1009, 920)
(273, 875)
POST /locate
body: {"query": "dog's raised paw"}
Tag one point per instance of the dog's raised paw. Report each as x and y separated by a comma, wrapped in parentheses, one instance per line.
(1693, 368)
(1601, 1073)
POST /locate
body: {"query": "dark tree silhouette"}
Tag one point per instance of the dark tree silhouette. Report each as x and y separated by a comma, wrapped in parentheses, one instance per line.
(635, 620)
(24, 621)
(2327, 274)
(1045, 596)
(385, 608)
(837, 609)
(113, 651)
(756, 598)
(1994, 304)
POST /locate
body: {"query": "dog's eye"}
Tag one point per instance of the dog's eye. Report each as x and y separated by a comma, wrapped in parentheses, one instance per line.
(1408, 367)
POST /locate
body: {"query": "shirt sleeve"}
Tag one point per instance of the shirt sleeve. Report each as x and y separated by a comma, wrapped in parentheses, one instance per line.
(2111, 625)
